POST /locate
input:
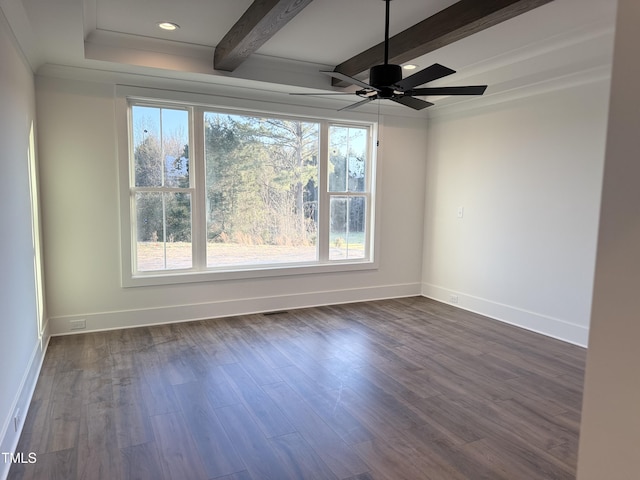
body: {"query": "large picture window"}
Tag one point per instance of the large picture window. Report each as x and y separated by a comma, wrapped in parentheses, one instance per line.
(218, 191)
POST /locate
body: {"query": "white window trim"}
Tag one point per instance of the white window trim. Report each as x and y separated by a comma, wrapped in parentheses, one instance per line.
(236, 106)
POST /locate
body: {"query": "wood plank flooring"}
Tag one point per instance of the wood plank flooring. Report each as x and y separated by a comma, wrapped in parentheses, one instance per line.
(387, 390)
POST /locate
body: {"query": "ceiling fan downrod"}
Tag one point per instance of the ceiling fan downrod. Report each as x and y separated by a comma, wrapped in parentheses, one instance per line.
(386, 32)
(386, 74)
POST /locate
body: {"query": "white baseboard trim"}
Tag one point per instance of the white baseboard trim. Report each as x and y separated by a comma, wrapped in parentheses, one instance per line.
(183, 313)
(536, 322)
(8, 437)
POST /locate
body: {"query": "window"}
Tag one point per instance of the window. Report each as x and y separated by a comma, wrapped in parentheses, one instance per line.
(161, 192)
(347, 192)
(261, 183)
(213, 191)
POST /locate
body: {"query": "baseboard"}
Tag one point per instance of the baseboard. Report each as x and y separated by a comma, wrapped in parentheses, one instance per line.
(536, 322)
(184, 313)
(8, 437)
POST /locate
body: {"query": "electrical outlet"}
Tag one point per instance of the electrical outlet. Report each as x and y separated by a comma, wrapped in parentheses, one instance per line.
(16, 420)
(77, 324)
(453, 298)
(460, 212)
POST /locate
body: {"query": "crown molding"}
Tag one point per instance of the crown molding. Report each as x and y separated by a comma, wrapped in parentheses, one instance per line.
(15, 16)
(600, 74)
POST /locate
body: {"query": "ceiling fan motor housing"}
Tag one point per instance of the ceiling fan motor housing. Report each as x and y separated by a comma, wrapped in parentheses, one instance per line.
(385, 75)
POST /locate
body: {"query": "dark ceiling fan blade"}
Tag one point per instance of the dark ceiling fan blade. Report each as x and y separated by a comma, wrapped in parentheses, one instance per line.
(355, 105)
(468, 90)
(353, 81)
(425, 75)
(414, 103)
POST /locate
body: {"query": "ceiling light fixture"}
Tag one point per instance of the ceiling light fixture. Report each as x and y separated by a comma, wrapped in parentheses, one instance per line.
(170, 26)
(410, 66)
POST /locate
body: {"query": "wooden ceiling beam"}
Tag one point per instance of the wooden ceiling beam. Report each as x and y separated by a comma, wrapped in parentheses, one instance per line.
(460, 20)
(258, 23)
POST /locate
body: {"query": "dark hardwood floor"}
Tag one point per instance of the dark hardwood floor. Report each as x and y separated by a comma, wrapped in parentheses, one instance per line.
(396, 389)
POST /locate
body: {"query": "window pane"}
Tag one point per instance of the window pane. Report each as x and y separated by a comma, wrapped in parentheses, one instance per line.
(347, 227)
(150, 232)
(163, 231)
(347, 159)
(175, 144)
(160, 146)
(147, 151)
(261, 190)
(178, 222)
(338, 159)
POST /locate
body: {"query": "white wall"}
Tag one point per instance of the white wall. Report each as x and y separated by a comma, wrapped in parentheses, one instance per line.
(610, 430)
(81, 225)
(528, 173)
(20, 350)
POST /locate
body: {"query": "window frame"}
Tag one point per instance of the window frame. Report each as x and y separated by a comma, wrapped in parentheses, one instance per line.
(161, 189)
(348, 194)
(196, 105)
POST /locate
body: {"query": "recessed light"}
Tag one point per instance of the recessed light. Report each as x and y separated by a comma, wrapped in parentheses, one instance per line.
(409, 66)
(168, 26)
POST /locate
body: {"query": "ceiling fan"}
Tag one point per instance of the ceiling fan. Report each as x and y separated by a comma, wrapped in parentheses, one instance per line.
(386, 82)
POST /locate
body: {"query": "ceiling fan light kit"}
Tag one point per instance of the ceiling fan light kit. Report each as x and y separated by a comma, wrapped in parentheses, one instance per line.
(386, 82)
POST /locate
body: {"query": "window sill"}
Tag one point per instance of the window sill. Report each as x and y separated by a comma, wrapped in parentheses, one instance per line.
(252, 272)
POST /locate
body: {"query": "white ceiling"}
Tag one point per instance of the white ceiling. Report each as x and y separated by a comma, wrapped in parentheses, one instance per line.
(325, 32)
(556, 40)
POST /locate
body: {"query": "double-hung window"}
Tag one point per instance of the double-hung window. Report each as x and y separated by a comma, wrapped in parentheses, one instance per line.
(227, 194)
(162, 189)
